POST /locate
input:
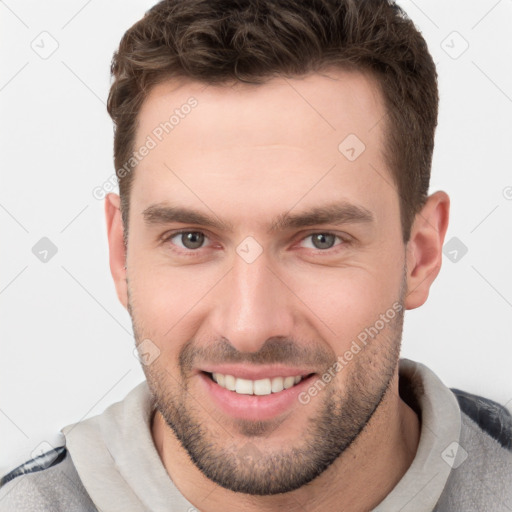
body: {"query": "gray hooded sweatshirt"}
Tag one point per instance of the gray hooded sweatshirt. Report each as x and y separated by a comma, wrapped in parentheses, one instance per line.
(109, 462)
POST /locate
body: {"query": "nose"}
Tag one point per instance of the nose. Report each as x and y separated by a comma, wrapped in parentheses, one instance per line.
(252, 305)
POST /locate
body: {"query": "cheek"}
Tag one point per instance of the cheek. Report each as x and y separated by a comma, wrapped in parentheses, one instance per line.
(346, 301)
(161, 310)
(165, 299)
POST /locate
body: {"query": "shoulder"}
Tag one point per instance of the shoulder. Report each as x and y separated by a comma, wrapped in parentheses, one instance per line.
(46, 483)
(481, 477)
(493, 418)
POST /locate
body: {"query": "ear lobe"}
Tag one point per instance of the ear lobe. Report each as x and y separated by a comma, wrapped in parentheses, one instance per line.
(425, 248)
(117, 249)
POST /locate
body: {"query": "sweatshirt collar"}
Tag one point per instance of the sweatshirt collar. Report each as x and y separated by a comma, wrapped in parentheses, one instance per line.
(118, 463)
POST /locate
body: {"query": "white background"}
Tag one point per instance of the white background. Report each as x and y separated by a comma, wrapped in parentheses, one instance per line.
(66, 350)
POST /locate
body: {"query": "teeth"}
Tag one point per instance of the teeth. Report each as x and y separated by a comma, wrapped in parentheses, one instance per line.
(255, 387)
(289, 382)
(277, 384)
(229, 382)
(244, 386)
(262, 387)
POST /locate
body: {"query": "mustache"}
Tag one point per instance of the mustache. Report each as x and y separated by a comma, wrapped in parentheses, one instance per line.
(274, 351)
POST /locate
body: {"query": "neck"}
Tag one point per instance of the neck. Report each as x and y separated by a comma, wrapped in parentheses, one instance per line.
(380, 455)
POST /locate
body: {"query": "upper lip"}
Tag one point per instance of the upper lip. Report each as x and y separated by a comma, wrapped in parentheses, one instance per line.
(252, 372)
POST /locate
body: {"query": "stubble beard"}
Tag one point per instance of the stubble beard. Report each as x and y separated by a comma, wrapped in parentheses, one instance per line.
(234, 456)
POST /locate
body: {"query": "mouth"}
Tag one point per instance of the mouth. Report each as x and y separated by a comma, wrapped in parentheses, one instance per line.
(259, 387)
(254, 393)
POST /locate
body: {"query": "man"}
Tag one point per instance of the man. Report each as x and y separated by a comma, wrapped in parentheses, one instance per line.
(272, 227)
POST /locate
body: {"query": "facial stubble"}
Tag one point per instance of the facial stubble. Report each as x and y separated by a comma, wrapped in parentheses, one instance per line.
(233, 454)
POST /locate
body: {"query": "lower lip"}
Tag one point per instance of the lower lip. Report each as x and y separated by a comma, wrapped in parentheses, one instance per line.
(254, 407)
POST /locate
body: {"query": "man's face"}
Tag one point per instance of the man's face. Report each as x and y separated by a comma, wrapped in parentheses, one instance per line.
(261, 290)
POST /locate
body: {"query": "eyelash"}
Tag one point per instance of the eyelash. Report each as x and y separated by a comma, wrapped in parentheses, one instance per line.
(195, 252)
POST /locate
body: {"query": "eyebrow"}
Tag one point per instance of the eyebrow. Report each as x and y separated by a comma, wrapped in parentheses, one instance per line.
(335, 213)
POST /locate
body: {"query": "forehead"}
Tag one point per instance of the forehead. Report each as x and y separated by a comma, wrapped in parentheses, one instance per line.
(330, 103)
(319, 137)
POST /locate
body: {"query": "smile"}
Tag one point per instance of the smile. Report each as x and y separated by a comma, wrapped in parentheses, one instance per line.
(255, 387)
(257, 394)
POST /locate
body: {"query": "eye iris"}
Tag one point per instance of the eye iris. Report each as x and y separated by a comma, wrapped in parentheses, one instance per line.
(192, 239)
(323, 240)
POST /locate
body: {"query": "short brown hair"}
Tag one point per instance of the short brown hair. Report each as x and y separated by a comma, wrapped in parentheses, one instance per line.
(221, 41)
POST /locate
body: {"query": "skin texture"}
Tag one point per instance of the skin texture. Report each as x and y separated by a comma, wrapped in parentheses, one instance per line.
(246, 155)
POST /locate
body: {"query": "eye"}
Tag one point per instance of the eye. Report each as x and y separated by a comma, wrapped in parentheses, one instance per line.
(190, 240)
(321, 241)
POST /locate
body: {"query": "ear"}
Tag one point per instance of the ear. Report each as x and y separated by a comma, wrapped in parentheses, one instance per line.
(424, 251)
(117, 249)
